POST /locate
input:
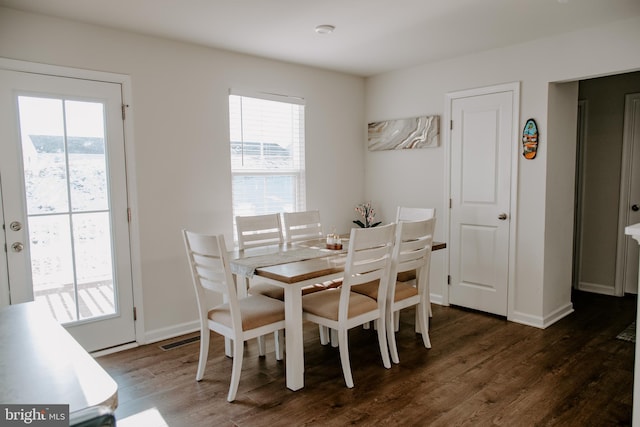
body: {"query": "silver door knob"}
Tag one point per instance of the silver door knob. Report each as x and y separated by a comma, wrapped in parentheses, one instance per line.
(17, 247)
(502, 216)
(15, 226)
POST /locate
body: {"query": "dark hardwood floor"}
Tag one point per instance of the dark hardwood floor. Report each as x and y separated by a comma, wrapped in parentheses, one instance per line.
(482, 370)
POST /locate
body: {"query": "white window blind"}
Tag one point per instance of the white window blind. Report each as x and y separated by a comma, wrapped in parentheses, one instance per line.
(267, 154)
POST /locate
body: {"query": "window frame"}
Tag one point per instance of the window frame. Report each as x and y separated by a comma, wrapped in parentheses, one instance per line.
(298, 173)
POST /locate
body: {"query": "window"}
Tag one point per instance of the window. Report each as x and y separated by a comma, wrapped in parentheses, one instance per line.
(267, 154)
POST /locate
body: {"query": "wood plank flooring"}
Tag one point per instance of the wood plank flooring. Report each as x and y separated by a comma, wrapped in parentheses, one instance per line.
(481, 371)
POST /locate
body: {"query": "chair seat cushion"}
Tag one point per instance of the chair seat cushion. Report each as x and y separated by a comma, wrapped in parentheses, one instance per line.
(256, 311)
(325, 304)
(403, 290)
(277, 292)
(405, 276)
(369, 289)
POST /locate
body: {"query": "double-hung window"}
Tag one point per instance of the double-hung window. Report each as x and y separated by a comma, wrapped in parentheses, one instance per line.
(267, 154)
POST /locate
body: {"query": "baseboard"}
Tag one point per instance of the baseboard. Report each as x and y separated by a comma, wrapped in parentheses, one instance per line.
(596, 288)
(539, 321)
(436, 299)
(171, 332)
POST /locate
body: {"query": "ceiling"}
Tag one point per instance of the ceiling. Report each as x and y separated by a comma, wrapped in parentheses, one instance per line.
(371, 36)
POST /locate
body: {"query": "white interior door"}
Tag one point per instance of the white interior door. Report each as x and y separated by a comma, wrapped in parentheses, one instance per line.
(481, 157)
(64, 199)
(627, 258)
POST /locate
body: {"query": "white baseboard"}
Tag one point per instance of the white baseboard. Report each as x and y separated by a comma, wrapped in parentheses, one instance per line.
(540, 321)
(171, 332)
(596, 288)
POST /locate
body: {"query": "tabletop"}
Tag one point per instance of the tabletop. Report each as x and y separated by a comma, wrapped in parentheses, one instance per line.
(41, 363)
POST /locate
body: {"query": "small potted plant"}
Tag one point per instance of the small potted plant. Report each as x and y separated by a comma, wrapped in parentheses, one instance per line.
(368, 214)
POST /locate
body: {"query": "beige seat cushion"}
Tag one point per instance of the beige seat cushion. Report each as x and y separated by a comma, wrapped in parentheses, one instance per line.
(256, 311)
(325, 304)
(405, 276)
(277, 292)
(370, 289)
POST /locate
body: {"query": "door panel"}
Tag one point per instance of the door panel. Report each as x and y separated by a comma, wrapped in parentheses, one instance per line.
(632, 136)
(481, 141)
(64, 183)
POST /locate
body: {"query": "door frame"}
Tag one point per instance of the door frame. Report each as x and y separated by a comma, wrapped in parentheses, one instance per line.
(513, 87)
(625, 189)
(134, 229)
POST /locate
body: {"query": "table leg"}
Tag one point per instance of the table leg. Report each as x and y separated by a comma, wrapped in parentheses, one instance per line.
(294, 338)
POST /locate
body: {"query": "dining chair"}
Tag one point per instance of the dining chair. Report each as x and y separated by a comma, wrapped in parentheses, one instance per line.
(296, 226)
(239, 319)
(300, 226)
(412, 252)
(413, 214)
(259, 230)
(368, 262)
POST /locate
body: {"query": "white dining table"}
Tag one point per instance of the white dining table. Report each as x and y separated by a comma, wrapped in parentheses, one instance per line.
(281, 265)
(292, 267)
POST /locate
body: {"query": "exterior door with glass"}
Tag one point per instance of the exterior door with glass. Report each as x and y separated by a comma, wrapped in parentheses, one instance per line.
(64, 202)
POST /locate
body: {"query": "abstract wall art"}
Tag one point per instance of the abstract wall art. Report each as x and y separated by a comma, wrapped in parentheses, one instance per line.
(415, 132)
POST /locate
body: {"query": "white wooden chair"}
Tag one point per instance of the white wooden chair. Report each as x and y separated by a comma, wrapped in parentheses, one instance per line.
(368, 261)
(255, 231)
(295, 227)
(239, 319)
(412, 252)
(258, 230)
(300, 226)
(413, 214)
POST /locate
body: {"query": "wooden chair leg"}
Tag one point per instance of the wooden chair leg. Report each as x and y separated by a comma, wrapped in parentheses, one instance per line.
(382, 342)
(204, 353)
(279, 336)
(334, 338)
(391, 336)
(228, 347)
(261, 346)
(324, 335)
(236, 370)
(343, 340)
(423, 317)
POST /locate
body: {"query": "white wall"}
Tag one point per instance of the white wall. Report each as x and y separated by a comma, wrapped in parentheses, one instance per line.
(180, 115)
(416, 177)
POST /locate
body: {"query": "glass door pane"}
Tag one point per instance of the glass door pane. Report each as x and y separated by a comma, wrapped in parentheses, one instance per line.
(66, 186)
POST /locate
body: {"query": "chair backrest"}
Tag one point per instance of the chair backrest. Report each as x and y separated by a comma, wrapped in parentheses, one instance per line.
(414, 214)
(412, 251)
(300, 226)
(211, 271)
(368, 260)
(258, 230)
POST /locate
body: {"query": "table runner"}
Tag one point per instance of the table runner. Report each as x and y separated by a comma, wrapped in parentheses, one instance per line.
(247, 266)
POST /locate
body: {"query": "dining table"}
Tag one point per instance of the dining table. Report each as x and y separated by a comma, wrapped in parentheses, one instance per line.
(293, 266)
(42, 365)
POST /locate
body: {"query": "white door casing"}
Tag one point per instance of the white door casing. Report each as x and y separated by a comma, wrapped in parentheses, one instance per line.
(629, 210)
(114, 329)
(483, 159)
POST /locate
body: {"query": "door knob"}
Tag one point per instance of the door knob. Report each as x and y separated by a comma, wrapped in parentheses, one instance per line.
(635, 208)
(17, 247)
(15, 226)
(502, 216)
